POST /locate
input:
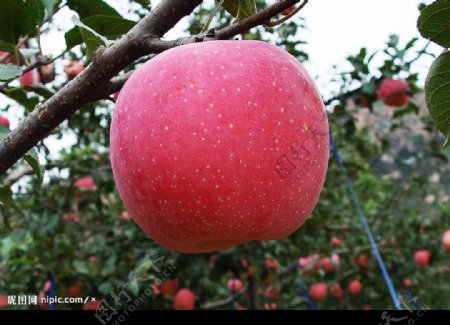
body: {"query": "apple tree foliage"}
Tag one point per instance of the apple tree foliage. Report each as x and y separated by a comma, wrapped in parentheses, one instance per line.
(82, 237)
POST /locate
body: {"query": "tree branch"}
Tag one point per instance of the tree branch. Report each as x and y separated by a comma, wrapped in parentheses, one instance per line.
(89, 85)
(95, 83)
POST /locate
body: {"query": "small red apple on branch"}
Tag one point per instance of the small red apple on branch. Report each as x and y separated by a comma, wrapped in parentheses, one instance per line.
(73, 69)
(355, 287)
(394, 92)
(318, 291)
(422, 258)
(235, 285)
(184, 300)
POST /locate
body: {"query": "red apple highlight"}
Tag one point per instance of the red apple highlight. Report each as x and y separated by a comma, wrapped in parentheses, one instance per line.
(184, 300)
(216, 144)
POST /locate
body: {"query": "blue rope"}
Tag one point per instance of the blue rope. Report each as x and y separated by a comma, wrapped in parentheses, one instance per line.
(52, 291)
(373, 244)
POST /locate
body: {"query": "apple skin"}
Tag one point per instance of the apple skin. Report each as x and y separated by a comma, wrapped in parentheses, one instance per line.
(407, 282)
(235, 285)
(73, 69)
(219, 143)
(184, 300)
(318, 291)
(86, 183)
(272, 292)
(3, 298)
(336, 291)
(445, 239)
(30, 78)
(330, 264)
(394, 92)
(362, 260)
(4, 121)
(74, 291)
(168, 287)
(355, 287)
(92, 305)
(422, 258)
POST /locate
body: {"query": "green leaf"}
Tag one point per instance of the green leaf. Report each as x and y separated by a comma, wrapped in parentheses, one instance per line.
(144, 3)
(6, 47)
(111, 27)
(81, 267)
(5, 196)
(86, 8)
(50, 7)
(33, 160)
(437, 90)
(91, 41)
(410, 108)
(19, 18)
(247, 9)
(21, 97)
(434, 22)
(9, 72)
(40, 90)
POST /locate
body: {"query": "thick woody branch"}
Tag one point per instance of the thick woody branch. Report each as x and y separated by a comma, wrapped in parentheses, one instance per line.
(239, 27)
(96, 81)
(90, 84)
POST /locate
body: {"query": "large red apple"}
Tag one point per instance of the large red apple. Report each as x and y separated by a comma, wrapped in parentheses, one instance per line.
(219, 143)
(318, 291)
(422, 258)
(355, 287)
(394, 92)
(446, 240)
(4, 121)
(184, 300)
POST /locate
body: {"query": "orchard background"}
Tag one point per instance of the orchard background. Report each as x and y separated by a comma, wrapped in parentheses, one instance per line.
(62, 218)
